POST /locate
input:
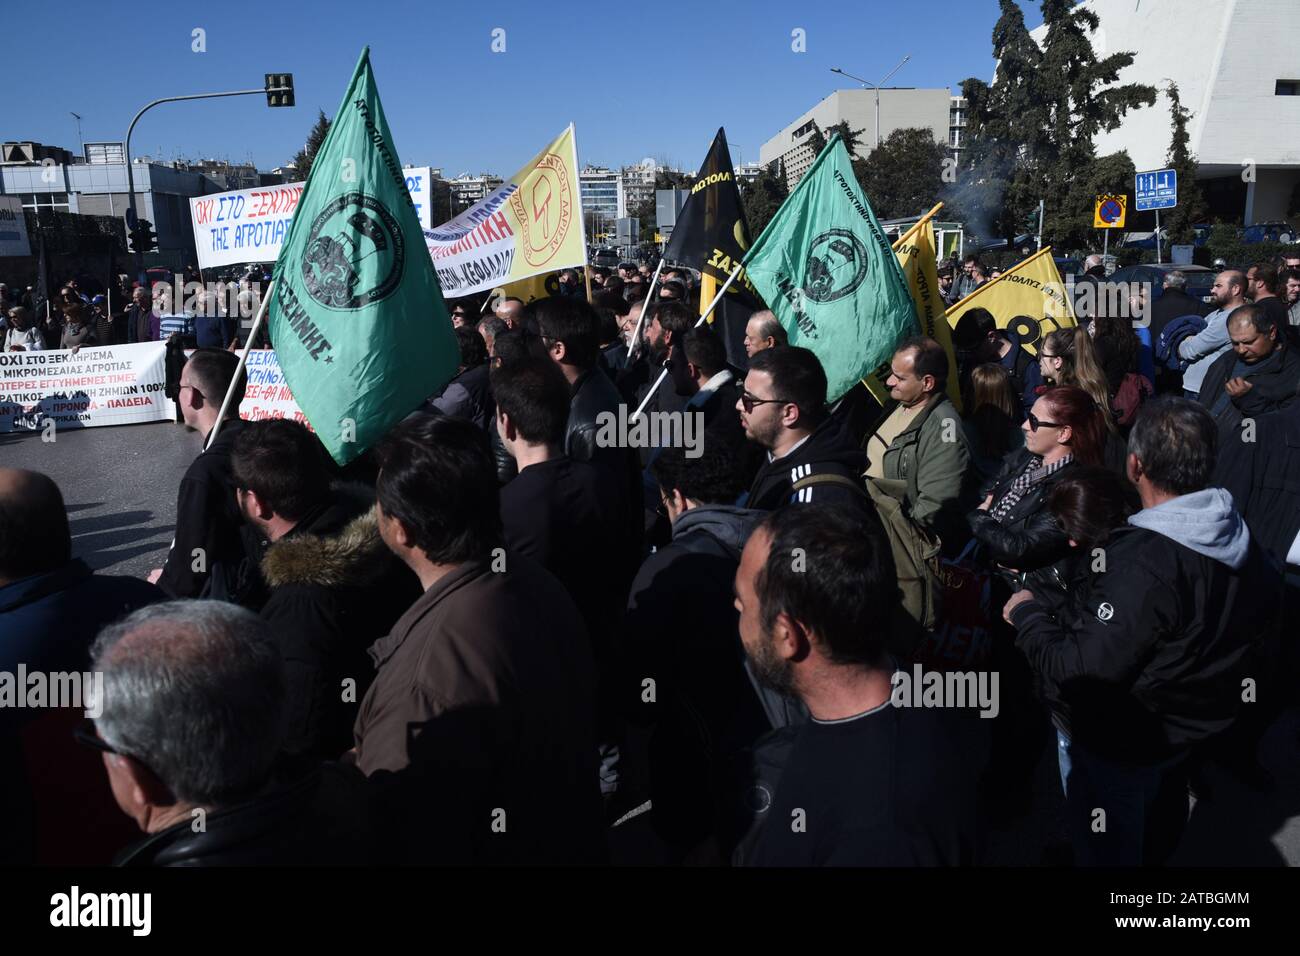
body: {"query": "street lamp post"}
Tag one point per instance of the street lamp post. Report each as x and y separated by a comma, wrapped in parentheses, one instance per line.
(131, 217)
(876, 87)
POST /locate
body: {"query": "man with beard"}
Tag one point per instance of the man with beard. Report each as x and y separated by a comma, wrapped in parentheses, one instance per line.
(864, 782)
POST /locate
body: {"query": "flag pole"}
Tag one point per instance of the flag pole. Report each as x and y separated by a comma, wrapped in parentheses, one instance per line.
(635, 346)
(243, 360)
(709, 311)
(916, 225)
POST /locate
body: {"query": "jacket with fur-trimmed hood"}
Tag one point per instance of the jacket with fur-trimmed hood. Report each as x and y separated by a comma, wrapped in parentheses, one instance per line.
(335, 589)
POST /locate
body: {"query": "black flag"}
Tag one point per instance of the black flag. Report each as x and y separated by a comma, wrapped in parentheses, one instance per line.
(41, 297)
(711, 235)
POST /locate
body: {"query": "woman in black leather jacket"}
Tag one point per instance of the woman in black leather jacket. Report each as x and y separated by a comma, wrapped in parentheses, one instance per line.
(1013, 526)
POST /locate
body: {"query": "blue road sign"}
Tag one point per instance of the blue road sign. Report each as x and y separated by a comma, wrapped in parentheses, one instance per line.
(1156, 190)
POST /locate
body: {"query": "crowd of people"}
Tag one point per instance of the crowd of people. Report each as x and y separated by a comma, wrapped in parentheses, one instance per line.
(502, 637)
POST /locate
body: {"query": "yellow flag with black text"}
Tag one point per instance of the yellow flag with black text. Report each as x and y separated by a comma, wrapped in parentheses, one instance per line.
(1029, 299)
(916, 254)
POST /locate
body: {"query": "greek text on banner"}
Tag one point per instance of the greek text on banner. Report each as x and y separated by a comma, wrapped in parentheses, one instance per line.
(112, 385)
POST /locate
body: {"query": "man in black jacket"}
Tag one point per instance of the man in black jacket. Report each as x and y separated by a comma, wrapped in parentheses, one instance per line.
(334, 587)
(1260, 374)
(191, 725)
(207, 519)
(681, 634)
(1156, 665)
(698, 369)
(783, 410)
(1174, 303)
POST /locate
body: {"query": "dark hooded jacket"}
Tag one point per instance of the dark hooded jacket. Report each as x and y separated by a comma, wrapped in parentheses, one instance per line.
(1273, 383)
(1170, 630)
(682, 633)
(1029, 536)
(335, 589)
(827, 451)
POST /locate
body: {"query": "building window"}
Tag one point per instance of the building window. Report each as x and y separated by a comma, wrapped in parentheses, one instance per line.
(1287, 88)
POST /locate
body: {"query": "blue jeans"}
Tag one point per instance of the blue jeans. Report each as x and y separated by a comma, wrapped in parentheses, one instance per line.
(1122, 815)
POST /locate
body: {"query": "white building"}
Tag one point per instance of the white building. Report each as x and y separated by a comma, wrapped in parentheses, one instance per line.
(936, 110)
(638, 184)
(467, 189)
(1237, 66)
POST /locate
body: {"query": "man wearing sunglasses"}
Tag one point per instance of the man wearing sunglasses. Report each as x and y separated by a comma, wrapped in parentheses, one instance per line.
(783, 410)
(208, 521)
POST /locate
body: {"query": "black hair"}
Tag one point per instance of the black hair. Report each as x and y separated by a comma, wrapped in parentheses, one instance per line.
(928, 358)
(972, 329)
(705, 350)
(283, 463)
(1177, 443)
(517, 345)
(612, 301)
(1089, 504)
(34, 533)
(797, 376)
(535, 394)
(572, 321)
(438, 478)
(473, 350)
(713, 478)
(675, 317)
(213, 369)
(845, 588)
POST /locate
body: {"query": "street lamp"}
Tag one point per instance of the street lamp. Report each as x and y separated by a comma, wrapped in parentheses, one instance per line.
(876, 87)
(279, 92)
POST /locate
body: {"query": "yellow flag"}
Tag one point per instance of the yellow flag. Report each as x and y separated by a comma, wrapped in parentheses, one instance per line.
(1029, 299)
(915, 250)
(534, 287)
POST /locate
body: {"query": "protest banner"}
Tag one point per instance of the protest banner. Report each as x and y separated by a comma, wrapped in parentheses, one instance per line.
(267, 394)
(13, 228)
(530, 224)
(245, 225)
(418, 179)
(109, 385)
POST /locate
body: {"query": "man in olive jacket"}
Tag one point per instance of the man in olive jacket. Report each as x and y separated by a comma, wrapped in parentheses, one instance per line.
(920, 449)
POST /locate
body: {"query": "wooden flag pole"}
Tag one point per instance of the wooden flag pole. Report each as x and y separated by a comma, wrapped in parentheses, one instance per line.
(709, 311)
(634, 347)
(243, 360)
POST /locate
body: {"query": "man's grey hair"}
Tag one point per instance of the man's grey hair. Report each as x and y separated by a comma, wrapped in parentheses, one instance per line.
(1175, 279)
(1176, 441)
(770, 327)
(194, 690)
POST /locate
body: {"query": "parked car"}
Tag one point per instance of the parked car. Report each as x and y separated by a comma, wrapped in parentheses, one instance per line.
(1199, 278)
(1068, 267)
(1269, 232)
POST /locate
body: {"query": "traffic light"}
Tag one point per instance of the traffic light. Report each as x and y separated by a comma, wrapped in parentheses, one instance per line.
(279, 89)
(143, 238)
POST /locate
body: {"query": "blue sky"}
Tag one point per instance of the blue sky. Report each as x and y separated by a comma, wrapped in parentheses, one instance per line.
(639, 79)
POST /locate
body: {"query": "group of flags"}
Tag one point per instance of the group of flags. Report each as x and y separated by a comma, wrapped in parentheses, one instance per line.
(363, 334)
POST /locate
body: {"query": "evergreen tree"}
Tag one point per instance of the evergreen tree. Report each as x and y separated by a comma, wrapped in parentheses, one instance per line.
(763, 197)
(904, 177)
(1191, 208)
(1032, 131)
(303, 159)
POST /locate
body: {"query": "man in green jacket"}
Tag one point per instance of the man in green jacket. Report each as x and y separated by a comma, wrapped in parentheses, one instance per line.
(919, 452)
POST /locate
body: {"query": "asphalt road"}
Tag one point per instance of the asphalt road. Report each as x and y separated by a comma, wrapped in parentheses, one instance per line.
(119, 485)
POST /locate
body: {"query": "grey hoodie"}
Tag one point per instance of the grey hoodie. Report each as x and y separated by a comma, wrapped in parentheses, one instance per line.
(727, 524)
(1206, 521)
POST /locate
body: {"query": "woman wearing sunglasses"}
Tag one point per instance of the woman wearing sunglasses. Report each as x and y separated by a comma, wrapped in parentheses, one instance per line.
(1013, 526)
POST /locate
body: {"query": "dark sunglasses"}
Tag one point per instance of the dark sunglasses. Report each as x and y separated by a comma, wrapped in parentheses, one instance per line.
(748, 401)
(1036, 423)
(84, 733)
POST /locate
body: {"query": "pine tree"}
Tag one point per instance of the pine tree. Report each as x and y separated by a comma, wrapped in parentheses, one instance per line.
(1191, 208)
(303, 159)
(1032, 131)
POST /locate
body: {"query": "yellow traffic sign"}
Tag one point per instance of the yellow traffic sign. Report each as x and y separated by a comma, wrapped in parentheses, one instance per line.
(1110, 212)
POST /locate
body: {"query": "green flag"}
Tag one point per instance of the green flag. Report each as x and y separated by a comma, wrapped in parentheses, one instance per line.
(826, 269)
(357, 317)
